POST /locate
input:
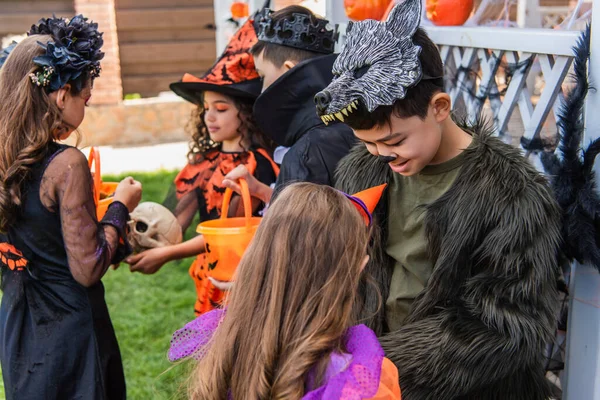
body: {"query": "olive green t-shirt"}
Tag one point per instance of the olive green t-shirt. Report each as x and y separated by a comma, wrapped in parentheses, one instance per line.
(406, 242)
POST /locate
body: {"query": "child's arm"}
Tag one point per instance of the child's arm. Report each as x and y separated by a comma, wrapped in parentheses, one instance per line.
(186, 209)
(236, 206)
(257, 189)
(259, 183)
(91, 246)
(150, 261)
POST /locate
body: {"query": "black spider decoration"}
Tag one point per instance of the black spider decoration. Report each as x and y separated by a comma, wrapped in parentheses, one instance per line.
(572, 174)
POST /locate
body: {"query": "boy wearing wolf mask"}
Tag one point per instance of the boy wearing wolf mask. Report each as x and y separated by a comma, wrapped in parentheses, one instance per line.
(465, 243)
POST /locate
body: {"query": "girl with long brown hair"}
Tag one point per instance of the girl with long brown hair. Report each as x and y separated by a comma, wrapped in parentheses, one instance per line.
(224, 136)
(287, 331)
(56, 337)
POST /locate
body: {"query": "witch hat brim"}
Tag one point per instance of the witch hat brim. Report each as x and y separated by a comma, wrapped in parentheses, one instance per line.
(192, 91)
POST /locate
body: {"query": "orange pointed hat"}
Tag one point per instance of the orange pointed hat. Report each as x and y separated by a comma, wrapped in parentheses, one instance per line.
(233, 74)
(366, 201)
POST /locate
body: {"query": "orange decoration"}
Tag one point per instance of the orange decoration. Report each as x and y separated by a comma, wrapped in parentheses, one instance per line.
(103, 191)
(449, 12)
(359, 10)
(239, 9)
(370, 197)
(388, 10)
(12, 258)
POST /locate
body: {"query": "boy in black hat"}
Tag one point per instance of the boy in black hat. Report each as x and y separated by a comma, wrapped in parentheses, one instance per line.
(294, 56)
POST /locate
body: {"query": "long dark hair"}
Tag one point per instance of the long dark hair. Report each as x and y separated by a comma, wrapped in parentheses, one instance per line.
(28, 120)
(201, 142)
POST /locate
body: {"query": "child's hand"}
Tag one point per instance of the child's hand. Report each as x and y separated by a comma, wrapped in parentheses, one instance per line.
(129, 192)
(240, 172)
(147, 262)
(257, 188)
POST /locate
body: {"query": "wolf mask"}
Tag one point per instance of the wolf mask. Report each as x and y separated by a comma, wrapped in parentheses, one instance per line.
(377, 64)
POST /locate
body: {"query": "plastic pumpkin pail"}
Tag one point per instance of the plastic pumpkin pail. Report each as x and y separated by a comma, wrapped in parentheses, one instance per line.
(103, 191)
(226, 239)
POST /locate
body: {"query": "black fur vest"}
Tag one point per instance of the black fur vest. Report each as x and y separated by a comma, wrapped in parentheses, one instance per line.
(478, 329)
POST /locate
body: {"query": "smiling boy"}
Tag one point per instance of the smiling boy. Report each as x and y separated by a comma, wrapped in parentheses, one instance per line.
(465, 246)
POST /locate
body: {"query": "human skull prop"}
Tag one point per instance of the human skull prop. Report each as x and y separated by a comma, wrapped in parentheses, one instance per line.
(153, 225)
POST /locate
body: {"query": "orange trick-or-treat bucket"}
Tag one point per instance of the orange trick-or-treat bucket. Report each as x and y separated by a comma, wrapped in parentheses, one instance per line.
(226, 239)
(103, 191)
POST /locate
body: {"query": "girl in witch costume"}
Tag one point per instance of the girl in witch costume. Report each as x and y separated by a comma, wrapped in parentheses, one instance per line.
(467, 235)
(287, 331)
(224, 136)
(56, 337)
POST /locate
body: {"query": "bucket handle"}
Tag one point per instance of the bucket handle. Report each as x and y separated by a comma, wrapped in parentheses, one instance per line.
(245, 198)
(94, 159)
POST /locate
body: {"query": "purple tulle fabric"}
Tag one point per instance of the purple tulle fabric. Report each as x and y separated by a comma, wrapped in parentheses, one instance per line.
(191, 340)
(355, 375)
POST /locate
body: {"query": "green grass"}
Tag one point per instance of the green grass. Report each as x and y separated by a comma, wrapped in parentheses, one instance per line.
(147, 309)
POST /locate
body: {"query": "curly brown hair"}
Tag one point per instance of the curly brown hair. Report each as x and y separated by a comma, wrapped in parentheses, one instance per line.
(201, 142)
(28, 120)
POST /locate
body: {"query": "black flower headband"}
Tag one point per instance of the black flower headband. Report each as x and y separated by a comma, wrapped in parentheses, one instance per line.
(73, 50)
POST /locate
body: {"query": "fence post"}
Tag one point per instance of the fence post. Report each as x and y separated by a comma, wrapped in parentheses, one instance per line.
(335, 12)
(582, 372)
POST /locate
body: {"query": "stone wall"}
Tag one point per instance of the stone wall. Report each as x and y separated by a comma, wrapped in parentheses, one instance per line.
(136, 122)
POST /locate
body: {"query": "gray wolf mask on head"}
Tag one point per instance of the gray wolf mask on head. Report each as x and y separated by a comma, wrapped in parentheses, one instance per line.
(377, 64)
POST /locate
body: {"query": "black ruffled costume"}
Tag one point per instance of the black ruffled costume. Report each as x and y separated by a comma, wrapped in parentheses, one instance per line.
(285, 112)
(56, 338)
